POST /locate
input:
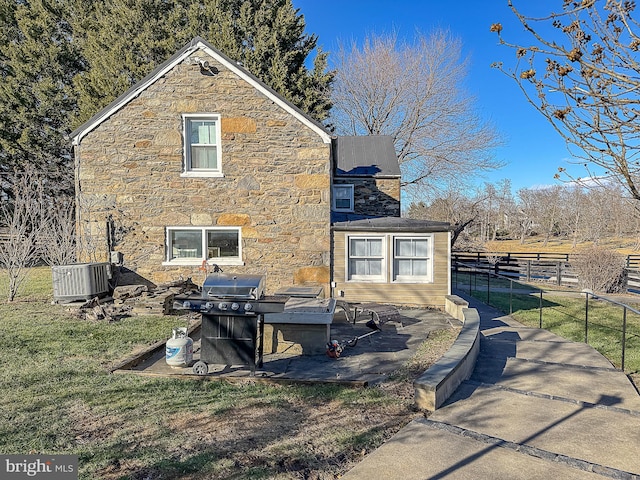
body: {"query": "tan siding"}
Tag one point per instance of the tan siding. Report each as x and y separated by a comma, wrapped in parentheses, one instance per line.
(422, 294)
(339, 255)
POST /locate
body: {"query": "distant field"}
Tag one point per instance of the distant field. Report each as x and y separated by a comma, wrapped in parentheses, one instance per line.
(626, 246)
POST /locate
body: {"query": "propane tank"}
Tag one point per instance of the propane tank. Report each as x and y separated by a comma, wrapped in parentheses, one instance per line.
(179, 352)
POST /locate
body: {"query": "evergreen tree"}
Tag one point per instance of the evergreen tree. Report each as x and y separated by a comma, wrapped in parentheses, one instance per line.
(275, 48)
(37, 64)
(61, 61)
(123, 40)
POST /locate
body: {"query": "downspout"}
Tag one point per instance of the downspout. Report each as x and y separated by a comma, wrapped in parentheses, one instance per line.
(332, 282)
(77, 186)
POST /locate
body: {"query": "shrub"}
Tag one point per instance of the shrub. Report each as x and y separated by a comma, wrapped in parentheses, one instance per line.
(599, 269)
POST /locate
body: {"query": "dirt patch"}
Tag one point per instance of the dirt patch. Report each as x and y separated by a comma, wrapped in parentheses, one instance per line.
(297, 438)
(297, 441)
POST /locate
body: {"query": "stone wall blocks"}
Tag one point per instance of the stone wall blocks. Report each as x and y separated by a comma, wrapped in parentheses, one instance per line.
(249, 182)
(314, 243)
(171, 138)
(264, 220)
(314, 199)
(235, 219)
(311, 181)
(202, 219)
(313, 153)
(180, 106)
(250, 233)
(312, 213)
(266, 178)
(311, 275)
(238, 125)
(173, 218)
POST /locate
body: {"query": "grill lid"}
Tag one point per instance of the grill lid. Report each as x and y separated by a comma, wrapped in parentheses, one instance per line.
(221, 285)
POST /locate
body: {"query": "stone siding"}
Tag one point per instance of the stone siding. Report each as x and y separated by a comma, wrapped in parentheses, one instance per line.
(275, 184)
(374, 196)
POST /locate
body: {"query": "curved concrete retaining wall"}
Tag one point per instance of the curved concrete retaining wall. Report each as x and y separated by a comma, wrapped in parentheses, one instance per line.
(437, 384)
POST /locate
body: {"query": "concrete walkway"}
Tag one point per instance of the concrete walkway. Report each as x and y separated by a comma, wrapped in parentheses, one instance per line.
(536, 407)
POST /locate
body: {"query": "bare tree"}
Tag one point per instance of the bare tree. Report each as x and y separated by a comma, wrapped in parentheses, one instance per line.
(498, 207)
(526, 212)
(581, 72)
(414, 93)
(548, 211)
(21, 221)
(452, 206)
(573, 212)
(59, 232)
(506, 209)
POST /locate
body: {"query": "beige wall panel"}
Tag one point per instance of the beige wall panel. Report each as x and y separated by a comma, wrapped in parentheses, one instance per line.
(421, 294)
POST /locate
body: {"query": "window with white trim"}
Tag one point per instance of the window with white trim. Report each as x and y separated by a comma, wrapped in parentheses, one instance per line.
(202, 151)
(387, 257)
(366, 258)
(192, 245)
(411, 259)
(343, 198)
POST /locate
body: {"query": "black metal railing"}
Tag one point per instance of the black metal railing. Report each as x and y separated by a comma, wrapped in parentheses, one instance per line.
(549, 268)
(625, 309)
(511, 296)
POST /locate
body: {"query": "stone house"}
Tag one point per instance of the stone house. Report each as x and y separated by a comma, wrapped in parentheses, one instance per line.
(200, 161)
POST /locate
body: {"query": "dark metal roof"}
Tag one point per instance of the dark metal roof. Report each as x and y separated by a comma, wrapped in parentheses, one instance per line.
(370, 155)
(388, 224)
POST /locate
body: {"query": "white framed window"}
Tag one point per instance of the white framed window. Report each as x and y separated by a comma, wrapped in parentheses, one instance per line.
(192, 245)
(202, 149)
(412, 259)
(343, 198)
(399, 258)
(366, 258)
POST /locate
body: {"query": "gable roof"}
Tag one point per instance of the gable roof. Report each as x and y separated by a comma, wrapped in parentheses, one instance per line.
(371, 155)
(194, 45)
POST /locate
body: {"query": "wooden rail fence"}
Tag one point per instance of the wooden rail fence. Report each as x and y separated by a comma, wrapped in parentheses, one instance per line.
(545, 267)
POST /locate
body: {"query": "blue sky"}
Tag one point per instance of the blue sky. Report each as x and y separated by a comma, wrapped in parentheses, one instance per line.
(532, 150)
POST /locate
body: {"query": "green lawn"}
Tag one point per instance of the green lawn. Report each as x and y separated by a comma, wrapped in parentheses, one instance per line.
(465, 281)
(58, 397)
(564, 315)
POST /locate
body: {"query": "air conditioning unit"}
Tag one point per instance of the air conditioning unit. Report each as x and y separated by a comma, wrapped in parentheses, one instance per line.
(81, 281)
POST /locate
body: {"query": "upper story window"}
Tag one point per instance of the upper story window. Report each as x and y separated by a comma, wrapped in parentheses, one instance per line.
(192, 245)
(202, 150)
(343, 198)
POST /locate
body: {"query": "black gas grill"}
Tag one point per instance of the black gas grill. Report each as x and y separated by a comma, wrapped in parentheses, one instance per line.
(232, 326)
